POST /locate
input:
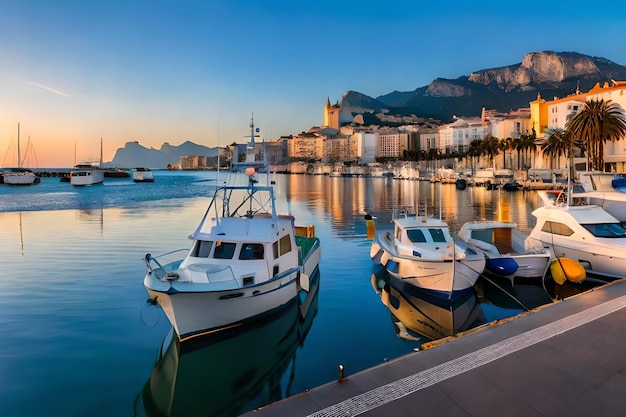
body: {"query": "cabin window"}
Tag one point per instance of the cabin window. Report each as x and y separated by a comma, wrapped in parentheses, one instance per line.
(606, 229)
(285, 245)
(275, 249)
(251, 251)
(556, 228)
(202, 249)
(416, 235)
(437, 235)
(224, 250)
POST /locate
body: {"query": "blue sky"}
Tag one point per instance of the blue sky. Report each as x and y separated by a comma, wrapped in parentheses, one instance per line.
(75, 71)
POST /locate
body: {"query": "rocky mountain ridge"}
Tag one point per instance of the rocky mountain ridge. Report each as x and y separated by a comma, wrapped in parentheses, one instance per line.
(505, 88)
(135, 155)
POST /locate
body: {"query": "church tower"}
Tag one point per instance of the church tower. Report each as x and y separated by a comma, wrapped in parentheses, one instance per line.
(331, 114)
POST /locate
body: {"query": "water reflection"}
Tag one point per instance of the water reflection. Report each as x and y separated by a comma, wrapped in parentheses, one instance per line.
(226, 374)
(416, 311)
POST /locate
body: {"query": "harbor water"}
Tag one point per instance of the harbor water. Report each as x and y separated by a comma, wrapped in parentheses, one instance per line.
(80, 338)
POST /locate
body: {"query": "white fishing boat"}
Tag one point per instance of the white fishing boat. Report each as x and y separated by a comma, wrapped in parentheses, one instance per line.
(84, 174)
(247, 258)
(509, 253)
(143, 175)
(587, 234)
(19, 175)
(420, 251)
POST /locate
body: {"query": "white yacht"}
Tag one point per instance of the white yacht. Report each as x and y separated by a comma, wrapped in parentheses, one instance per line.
(86, 175)
(587, 234)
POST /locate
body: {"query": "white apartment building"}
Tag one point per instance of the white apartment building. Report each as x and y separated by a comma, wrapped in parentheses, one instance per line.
(456, 137)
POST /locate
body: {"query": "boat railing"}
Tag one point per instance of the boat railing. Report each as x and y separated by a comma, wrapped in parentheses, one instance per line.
(165, 263)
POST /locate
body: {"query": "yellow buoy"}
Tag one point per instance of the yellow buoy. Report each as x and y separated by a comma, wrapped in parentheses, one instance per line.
(567, 269)
(370, 226)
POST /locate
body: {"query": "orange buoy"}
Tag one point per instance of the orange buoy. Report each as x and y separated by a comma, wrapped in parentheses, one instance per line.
(370, 226)
(563, 269)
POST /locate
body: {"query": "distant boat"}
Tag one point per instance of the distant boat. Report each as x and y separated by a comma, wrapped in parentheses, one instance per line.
(142, 175)
(19, 175)
(116, 173)
(86, 175)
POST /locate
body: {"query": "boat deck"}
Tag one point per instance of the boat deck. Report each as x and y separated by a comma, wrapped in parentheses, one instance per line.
(566, 358)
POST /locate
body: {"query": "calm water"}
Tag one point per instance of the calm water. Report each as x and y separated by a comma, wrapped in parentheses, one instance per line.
(79, 338)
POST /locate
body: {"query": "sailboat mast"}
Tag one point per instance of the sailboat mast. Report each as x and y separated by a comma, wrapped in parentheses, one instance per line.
(19, 156)
(100, 152)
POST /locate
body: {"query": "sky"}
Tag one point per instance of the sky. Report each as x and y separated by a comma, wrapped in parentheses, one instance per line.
(74, 73)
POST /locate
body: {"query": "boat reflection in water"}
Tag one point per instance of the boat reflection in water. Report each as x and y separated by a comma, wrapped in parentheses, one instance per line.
(229, 372)
(432, 318)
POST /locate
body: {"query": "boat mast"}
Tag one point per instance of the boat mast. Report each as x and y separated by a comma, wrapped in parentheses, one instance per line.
(100, 152)
(19, 156)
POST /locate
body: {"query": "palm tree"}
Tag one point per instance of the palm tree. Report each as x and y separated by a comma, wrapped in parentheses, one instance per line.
(524, 144)
(557, 144)
(596, 123)
(474, 151)
(490, 146)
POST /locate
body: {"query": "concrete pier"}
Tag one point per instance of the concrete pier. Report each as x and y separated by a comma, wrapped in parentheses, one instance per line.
(566, 358)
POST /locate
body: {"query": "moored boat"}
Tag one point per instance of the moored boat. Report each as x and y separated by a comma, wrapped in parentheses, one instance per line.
(420, 251)
(86, 175)
(19, 175)
(142, 175)
(509, 253)
(247, 258)
(588, 234)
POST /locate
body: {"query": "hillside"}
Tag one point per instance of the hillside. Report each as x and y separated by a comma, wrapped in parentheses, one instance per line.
(551, 74)
(135, 155)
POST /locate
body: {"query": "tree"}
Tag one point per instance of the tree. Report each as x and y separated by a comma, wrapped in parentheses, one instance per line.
(557, 144)
(596, 123)
(490, 146)
(523, 144)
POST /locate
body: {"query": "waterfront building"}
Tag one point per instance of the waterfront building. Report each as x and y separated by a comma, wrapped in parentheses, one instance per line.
(306, 146)
(455, 137)
(547, 115)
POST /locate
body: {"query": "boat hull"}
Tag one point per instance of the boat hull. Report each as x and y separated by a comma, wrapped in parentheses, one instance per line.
(601, 261)
(525, 266)
(86, 177)
(19, 178)
(194, 312)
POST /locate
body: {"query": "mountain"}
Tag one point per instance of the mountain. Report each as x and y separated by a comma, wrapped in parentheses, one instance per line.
(551, 74)
(135, 155)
